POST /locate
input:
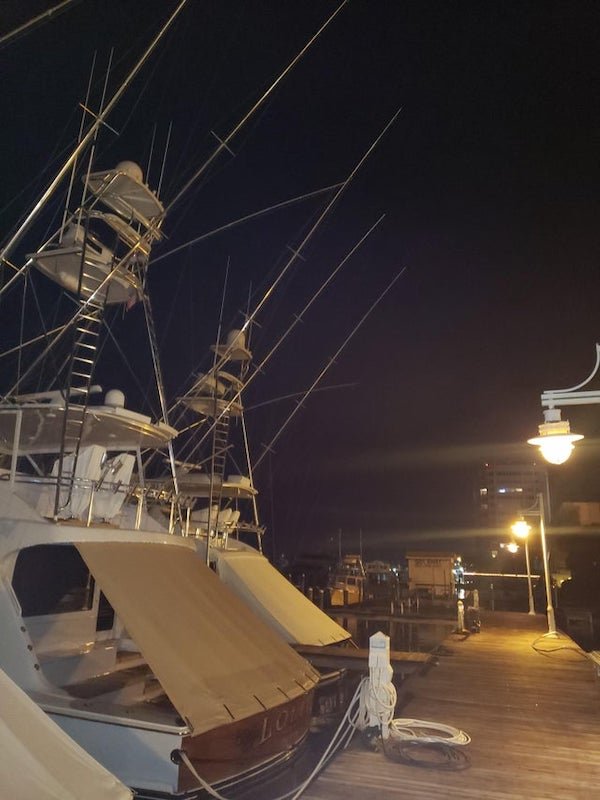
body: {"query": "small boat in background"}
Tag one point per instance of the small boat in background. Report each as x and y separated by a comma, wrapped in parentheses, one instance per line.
(347, 582)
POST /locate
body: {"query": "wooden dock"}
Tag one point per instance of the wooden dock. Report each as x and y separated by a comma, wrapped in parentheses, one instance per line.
(530, 704)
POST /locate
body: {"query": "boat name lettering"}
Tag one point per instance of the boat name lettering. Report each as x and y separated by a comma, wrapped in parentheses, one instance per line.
(276, 722)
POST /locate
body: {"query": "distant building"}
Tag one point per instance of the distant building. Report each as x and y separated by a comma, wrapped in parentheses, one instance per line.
(579, 513)
(505, 490)
(431, 573)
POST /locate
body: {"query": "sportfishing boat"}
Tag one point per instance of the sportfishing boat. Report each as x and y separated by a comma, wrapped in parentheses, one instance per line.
(113, 626)
(131, 613)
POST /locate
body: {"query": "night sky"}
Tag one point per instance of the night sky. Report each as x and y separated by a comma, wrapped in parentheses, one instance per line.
(489, 182)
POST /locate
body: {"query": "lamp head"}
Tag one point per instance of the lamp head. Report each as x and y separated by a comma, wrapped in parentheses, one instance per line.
(512, 547)
(555, 441)
(521, 528)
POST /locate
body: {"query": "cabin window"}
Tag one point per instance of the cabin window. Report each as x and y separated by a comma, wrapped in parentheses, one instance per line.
(52, 579)
(106, 614)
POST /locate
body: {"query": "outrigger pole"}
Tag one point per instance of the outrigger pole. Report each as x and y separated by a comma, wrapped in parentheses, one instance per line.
(297, 319)
(296, 253)
(268, 447)
(45, 15)
(29, 219)
(224, 143)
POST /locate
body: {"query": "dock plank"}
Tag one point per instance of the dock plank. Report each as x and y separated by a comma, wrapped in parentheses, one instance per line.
(339, 657)
(534, 719)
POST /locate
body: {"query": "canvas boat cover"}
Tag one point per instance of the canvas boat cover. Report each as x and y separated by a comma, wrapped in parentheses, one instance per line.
(276, 600)
(40, 761)
(214, 658)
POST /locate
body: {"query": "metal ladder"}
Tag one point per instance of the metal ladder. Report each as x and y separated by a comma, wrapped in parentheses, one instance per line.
(79, 378)
(220, 446)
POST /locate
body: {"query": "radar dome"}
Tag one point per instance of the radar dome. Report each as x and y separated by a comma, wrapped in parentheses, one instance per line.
(114, 398)
(132, 169)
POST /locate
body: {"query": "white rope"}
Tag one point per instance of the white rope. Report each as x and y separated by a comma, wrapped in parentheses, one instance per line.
(378, 702)
(425, 732)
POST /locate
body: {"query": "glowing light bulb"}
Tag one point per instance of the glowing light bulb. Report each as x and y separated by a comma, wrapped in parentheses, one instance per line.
(521, 529)
(555, 441)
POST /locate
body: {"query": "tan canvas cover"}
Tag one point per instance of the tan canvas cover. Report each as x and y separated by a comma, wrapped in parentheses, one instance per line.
(39, 761)
(274, 599)
(214, 658)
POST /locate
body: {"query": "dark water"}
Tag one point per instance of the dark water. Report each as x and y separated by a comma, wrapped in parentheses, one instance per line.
(411, 635)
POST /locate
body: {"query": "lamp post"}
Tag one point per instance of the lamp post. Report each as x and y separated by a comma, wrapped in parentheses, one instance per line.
(522, 530)
(549, 606)
(538, 510)
(556, 443)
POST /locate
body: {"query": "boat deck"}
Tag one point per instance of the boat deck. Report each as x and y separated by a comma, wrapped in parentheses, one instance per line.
(530, 704)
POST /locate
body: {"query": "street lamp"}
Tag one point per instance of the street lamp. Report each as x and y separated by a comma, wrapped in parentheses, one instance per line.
(521, 529)
(555, 439)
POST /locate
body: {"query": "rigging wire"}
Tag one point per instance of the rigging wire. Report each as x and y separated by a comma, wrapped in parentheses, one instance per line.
(293, 395)
(29, 342)
(151, 155)
(79, 135)
(143, 391)
(246, 218)
(164, 160)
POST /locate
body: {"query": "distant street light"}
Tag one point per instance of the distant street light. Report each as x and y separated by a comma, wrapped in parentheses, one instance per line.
(555, 439)
(521, 529)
